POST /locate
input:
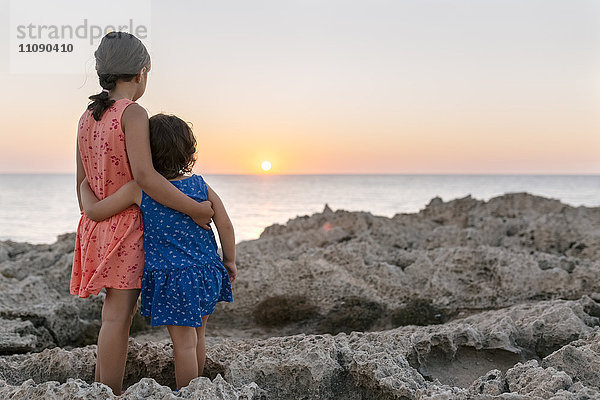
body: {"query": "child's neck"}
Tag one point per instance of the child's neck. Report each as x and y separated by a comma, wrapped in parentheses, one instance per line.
(124, 90)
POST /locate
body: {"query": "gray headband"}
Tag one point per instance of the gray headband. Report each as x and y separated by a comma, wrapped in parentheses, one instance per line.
(121, 54)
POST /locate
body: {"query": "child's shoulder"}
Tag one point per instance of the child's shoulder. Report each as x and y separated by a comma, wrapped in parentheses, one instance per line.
(191, 183)
(200, 181)
(198, 177)
(200, 185)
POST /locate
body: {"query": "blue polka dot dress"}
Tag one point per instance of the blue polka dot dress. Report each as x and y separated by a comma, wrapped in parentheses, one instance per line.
(184, 276)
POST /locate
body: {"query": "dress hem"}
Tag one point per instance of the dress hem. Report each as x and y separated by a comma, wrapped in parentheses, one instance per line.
(148, 315)
(95, 292)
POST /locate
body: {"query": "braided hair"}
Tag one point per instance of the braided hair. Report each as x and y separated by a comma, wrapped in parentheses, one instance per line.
(101, 101)
(120, 56)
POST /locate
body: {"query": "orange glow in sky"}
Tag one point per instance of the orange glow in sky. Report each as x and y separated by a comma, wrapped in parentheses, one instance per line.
(396, 87)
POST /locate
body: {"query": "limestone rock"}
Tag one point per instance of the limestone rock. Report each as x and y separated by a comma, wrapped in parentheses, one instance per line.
(436, 361)
(580, 359)
(18, 336)
(34, 287)
(198, 389)
(530, 379)
(462, 256)
(491, 384)
(72, 389)
(465, 299)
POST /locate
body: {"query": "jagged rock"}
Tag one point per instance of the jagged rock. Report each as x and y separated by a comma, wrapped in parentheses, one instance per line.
(459, 256)
(533, 380)
(291, 367)
(378, 368)
(144, 359)
(491, 384)
(34, 287)
(50, 365)
(502, 286)
(577, 392)
(72, 389)
(458, 352)
(198, 389)
(580, 359)
(17, 336)
(407, 362)
(437, 391)
(462, 255)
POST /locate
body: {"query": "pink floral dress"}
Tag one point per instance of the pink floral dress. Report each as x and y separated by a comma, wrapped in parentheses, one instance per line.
(109, 253)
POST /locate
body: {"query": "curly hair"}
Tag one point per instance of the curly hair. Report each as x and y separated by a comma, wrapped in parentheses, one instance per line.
(172, 144)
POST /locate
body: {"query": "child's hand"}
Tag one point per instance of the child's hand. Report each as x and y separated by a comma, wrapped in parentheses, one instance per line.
(204, 217)
(231, 270)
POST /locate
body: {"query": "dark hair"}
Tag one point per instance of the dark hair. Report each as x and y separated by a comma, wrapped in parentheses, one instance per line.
(172, 144)
(120, 56)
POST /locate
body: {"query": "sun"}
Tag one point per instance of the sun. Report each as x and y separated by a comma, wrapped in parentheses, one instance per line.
(266, 165)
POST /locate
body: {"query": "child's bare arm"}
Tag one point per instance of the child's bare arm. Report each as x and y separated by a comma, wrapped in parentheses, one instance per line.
(137, 136)
(226, 233)
(99, 210)
(80, 176)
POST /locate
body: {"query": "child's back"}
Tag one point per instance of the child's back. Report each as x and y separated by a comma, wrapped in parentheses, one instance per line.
(102, 149)
(109, 253)
(184, 276)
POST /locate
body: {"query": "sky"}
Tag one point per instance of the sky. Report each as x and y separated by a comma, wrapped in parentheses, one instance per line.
(342, 87)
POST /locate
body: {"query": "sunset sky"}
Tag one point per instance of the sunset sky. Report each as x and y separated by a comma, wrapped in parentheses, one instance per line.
(419, 86)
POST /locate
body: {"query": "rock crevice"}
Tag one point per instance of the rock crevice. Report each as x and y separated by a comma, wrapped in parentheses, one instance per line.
(466, 299)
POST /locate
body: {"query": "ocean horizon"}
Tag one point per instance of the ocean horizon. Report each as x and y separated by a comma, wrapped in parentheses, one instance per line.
(38, 207)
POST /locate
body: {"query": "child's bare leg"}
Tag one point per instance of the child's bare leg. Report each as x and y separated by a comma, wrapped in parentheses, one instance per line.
(97, 370)
(117, 314)
(201, 346)
(184, 354)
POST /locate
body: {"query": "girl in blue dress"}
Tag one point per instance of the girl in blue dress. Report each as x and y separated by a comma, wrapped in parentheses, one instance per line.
(184, 277)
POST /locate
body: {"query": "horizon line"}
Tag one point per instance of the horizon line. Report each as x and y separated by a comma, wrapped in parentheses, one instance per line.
(363, 174)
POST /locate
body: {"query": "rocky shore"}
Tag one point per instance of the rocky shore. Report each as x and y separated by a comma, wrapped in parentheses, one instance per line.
(464, 300)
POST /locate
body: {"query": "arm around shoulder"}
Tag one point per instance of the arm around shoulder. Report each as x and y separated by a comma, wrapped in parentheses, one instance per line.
(99, 210)
(134, 122)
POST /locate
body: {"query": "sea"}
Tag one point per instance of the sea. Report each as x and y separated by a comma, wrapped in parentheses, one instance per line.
(36, 208)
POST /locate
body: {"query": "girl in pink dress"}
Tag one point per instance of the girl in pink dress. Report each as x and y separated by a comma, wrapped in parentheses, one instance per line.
(113, 148)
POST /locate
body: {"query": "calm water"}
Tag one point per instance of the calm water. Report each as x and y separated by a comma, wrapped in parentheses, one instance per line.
(36, 208)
